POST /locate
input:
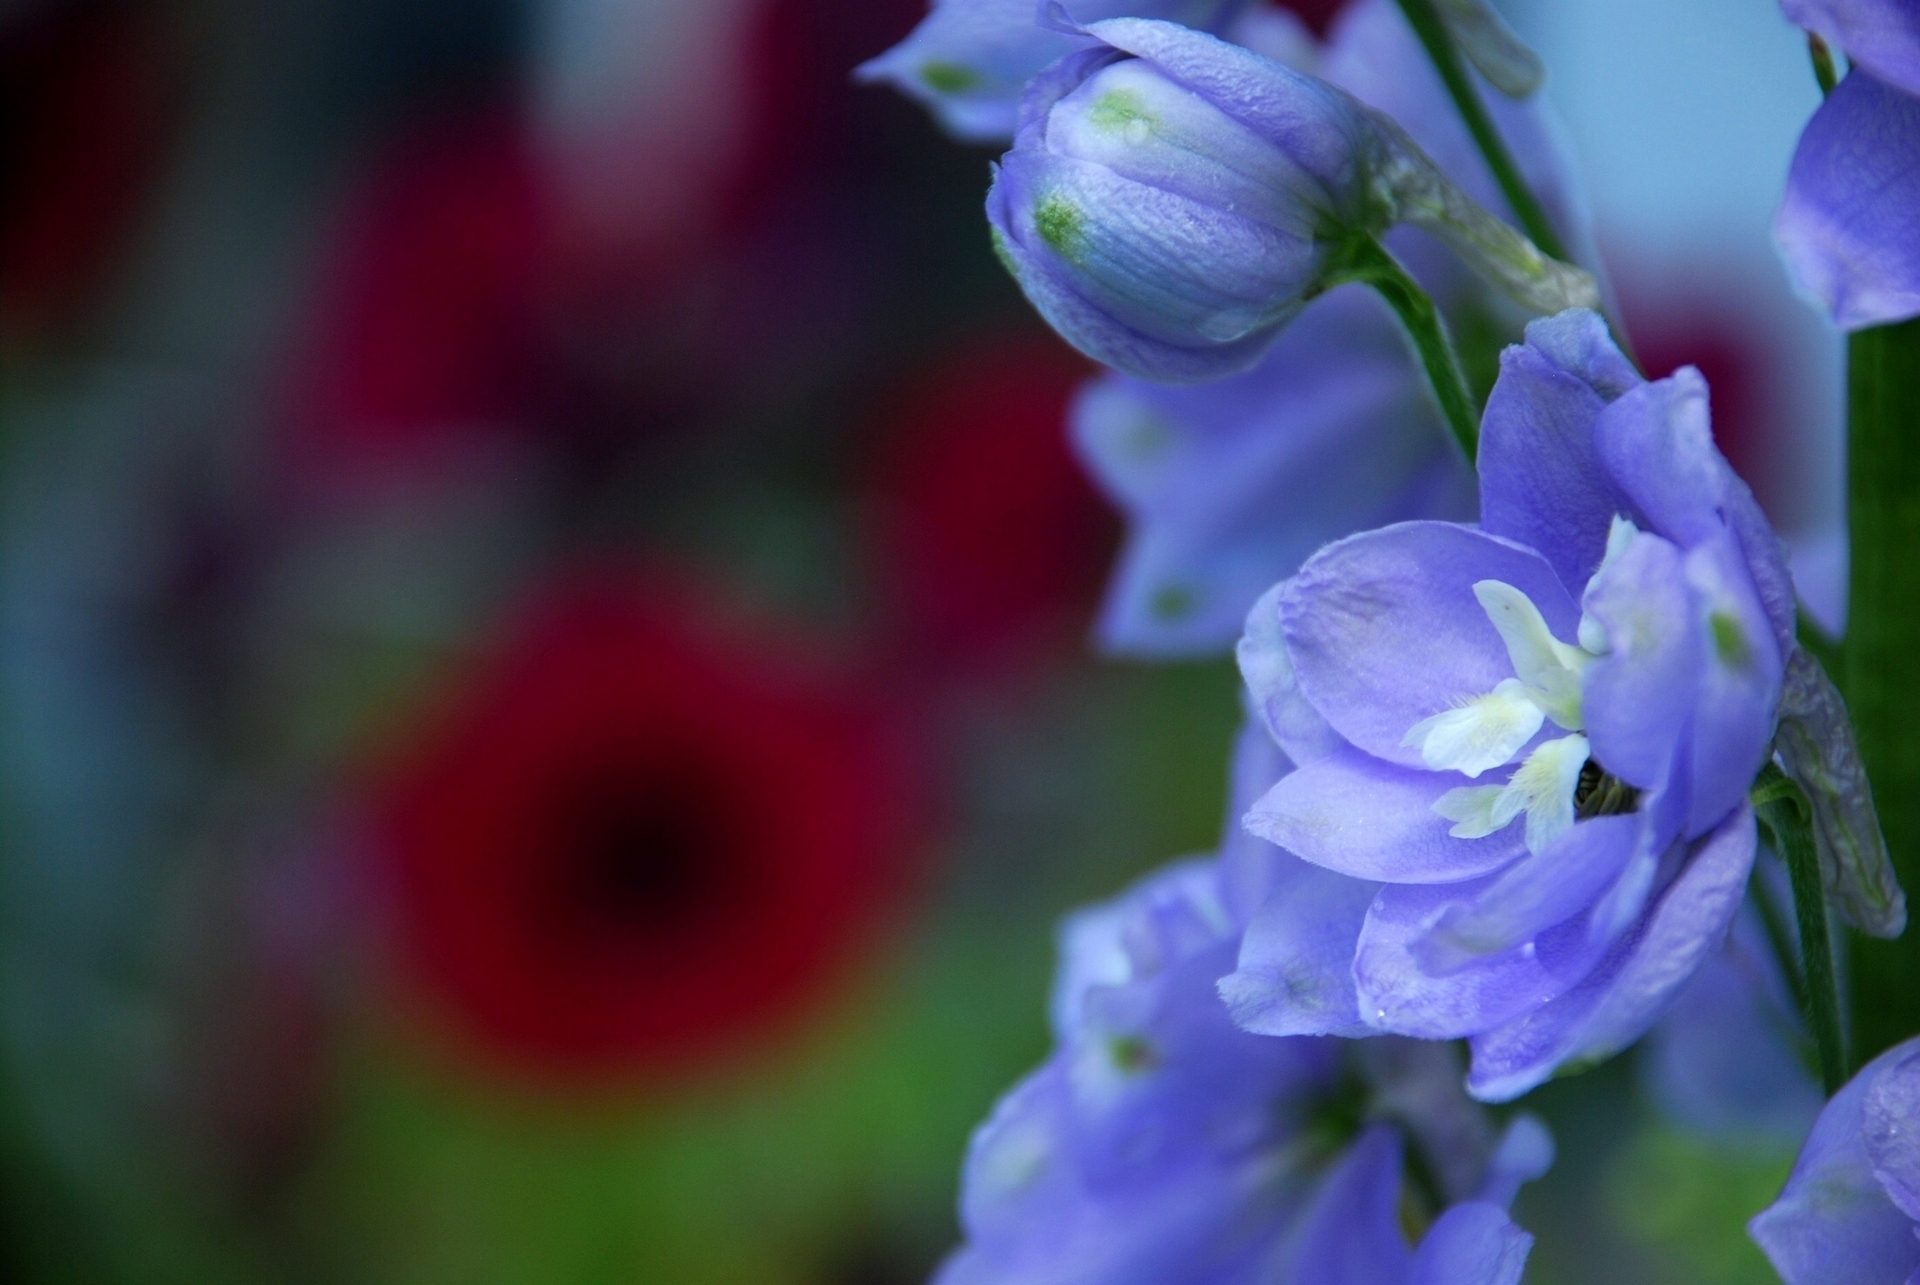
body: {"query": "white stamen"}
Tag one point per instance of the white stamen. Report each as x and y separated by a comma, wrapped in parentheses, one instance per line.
(1548, 780)
(1550, 668)
(1478, 810)
(1480, 734)
(1543, 787)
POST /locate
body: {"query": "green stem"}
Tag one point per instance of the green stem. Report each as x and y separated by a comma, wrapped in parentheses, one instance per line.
(1790, 820)
(1774, 923)
(1882, 644)
(1433, 33)
(1366, 260)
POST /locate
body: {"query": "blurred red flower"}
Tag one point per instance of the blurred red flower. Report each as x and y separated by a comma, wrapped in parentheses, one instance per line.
(1317, 14)
(1731, 357)
(986, 535)
(640, 837)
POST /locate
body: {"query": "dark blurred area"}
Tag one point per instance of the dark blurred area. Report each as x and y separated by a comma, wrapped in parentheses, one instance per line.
(542, 611)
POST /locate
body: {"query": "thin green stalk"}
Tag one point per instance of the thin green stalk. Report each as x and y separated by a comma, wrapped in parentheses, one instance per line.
(1366, 260)
(1788, 817)
(1883, 645)
(1774, 923)
(1433, 33)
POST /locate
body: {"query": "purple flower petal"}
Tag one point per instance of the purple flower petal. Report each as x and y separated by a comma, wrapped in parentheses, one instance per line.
(1881, 35)
(1821, 579)
(1846, 226)
(1890, 1127)
(1525, 1152)
(1361, 817)
(1639, 696)
(1384, 630)
(1541, 482)
(1250, 868)
(1531, 895)
(1472, 1244)
(1626, 994)
(1737, 694)
(1351, 1235)
(1102, 945)
(1295, 974)
(1657, 448)
(1833, 1224)
(1273, 689)
(1396, 994)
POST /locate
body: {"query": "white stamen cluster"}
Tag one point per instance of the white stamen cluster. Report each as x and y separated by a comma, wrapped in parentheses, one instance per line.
(1487, 731)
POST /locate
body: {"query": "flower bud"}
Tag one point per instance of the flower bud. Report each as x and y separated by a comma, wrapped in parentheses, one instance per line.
(1171, 200)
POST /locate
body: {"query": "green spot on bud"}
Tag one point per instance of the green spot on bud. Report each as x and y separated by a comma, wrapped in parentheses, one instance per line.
(1121, 111)
(1002, 253)
(948, 77)
(1132, 1054)
(1172, 602)
(1729, 641)
(1061, 224)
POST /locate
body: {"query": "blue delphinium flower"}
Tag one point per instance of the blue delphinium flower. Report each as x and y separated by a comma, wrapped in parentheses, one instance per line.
(969, 60)
(1529, 742)
(1228, 486)
(1159, 1144)
(1847, 225)
(1172, 201)
(1850, 1213)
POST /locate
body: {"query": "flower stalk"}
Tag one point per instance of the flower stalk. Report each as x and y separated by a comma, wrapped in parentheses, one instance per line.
(1883, 638)
(1432, 30)
(1784, 810)
(1365, 260)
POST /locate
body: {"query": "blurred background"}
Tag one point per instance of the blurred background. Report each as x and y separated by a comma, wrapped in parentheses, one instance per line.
(545, 712)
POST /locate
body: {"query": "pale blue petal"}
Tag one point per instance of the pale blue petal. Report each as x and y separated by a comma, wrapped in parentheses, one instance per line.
(1834, 1224)
(1295, 972)
(1627, 993)
(1472, 1244)
(1397, 994)
(1361, 817)
(1846, 226)
(1384, 629)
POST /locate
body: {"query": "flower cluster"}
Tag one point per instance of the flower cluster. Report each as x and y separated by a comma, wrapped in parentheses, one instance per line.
(1502, 781)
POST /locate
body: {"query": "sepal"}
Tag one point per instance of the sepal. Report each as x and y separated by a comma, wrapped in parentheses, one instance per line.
(1816, 749)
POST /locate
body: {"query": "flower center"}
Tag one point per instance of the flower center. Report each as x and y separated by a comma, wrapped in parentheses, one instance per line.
(1557, 782)
(1599, 793)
